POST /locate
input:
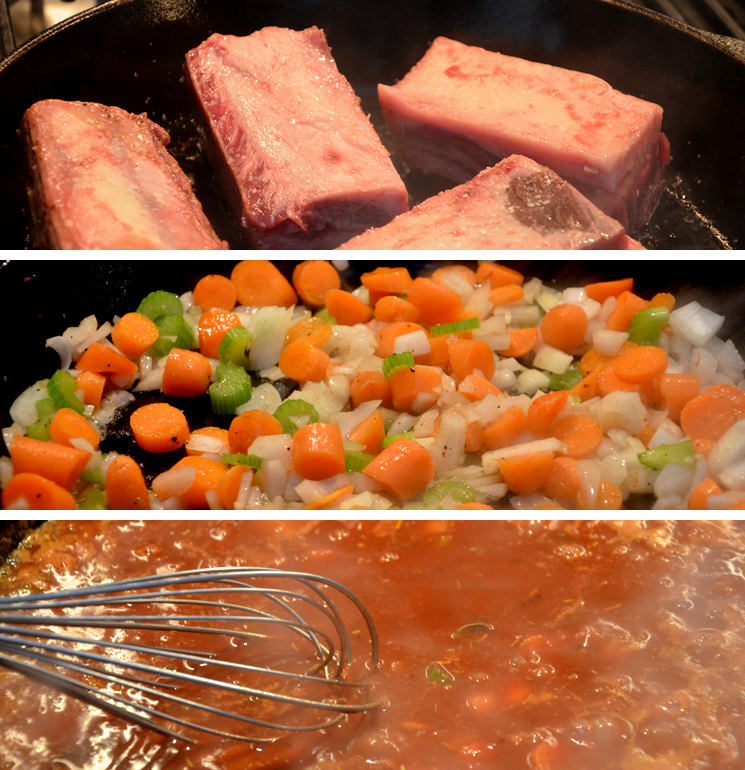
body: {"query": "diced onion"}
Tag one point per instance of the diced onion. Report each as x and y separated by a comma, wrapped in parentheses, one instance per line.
(695, 323)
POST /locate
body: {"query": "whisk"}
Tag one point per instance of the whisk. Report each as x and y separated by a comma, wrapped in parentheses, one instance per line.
(246, 653)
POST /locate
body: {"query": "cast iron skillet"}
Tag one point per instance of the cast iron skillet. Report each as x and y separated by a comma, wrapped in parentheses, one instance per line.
(130, 53)
(42, 309)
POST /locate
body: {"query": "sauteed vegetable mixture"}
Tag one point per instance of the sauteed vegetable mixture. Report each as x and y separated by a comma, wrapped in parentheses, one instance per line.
(458, 389)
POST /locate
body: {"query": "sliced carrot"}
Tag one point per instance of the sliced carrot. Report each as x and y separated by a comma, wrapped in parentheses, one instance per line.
(474, 507)
(581, 434)
(68, 424)
(562, 483)
(674, 391)
(391, 308)
(186, 374)
(215, 291)
(126, 489)
(209, 431)
(504, 295)
(474, 437)
(259, 283)
(544, 409)
(387, 336)
(371, 386)
(587, 388)
(133, 334)
(708, 416)
(415, 389)
(387, 280)
(159, 427)
(609, 497)
(303, 362)
(61, 464)
(318, 451)
(37, 493)
(592, 361)
(498, 275)
(93, 386)
(643, 364)
(328, 500)
(248, 426)
(315, 330)
(627, 306)
(475, 388)
(526, 474)
(663, 299)
(646, 435)
(522, 341)
(609, 382)
(703, 446)
(506, 428)
(733, 394)
(207, 479)
(436, 304)
(698, 499)
(370, 432)
(346, 308)
(469, 357)
(440, 353)
(229, 485)
(605, 289)
(313, 279)
(564, 327)
(213, 326)
(105, 360)
(404, 469)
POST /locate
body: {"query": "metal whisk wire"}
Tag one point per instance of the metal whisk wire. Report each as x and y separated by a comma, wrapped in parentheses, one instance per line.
(28, 646)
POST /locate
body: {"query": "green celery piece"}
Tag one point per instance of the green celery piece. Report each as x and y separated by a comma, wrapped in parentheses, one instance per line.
(46, 409)
(172, 325)
(455, 327)
(565, 381)
(436, 672)
(234, 346)
(388, 440)
(160, 303)
(95, 500)
(646, 325)
(61, 388)
(233, 388)
(458, 490)
(397, 361)
(356, 461)
(295, 407)
(681, 453)
(240, 459)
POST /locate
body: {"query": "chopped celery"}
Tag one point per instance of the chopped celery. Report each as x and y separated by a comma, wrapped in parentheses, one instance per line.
(646, 325)
(436, 672)
(681, 453)
(324, 313)
(457, 490)
(234, 346)
(455, 327)
(397, 361)
(92, 476)
(295, 407)
(175, 332)
(95, 500)
(388, 440)
(61, 388)
(160, 303)
(565, 381)
(233, 388)
(471, 630)
(46, 409)
(239, 459)
(356, 461)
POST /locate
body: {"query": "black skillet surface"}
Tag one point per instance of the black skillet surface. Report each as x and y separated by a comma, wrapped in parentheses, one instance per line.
(43, 309)
(129, 53)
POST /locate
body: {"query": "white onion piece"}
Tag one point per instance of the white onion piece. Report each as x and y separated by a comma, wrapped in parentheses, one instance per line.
(348, 421)
(729, 361)
(733, 477)
(201, 443)
(417, 343)
(667, 433)
(703, 365)
(6, 470)
(151, 381)
(403, 423)
(174, 482)
(448, 449)
(269, 327)
(273, 477)
(551, 360)
(264, 397)
(623, 410)
(609, 343)
(673, 480)
(730, 449)
(213, 500)
(63, 348)
(23, 409)
(725, 500)
(99, 334)
(478, 301)
(695, 323)
(340, 264)
(588, 473)
(490, 460)
(309, 491)
(273, 448)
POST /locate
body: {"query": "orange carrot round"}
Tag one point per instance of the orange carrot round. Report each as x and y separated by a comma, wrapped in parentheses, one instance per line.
(498, 275)
(470, 356)
(544, 409)
(475, 388)
(504, 295)
(674, 391)
(210, 431)
(187, 374)
(386, 337)
(586, 388)
(609, 497)
(93, 386)
(215, 291)
(387, 280)
(68, 424)
(436, 304)
(370, 432)
(522, 341)
(581, 434)
(564, 327)
(371, 386)
(404, 469)
(415, 389)
(303, 362)
(259, 283)
(315, 330)
(133, 334)
(462, 271)
(627, 306)
(698, 499)
(213, 326)
(606, 289)
(125, 486)
(526, 474)
(208, 475)
(708, 416)
(248, 426)
(318, 451)
(313, 279)
(392, 308)
(61, 464)
(105, 360)
(474, 507)
(229, 485)
(506, 428)
(562, 483)
(37, 492)
(641, 365)
(159, 427)
(608, 382)
(733, 394)
(346, 308)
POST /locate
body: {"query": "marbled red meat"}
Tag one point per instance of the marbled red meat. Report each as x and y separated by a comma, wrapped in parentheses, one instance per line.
(101, 178)
(462, 108)
(299, 161)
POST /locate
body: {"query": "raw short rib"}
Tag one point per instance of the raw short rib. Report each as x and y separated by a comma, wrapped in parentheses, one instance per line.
(298, 159)
(516, 204)
(101, 178)
(462, 108)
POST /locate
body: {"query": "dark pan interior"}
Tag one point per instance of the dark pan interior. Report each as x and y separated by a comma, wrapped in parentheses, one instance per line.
(129, 53)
